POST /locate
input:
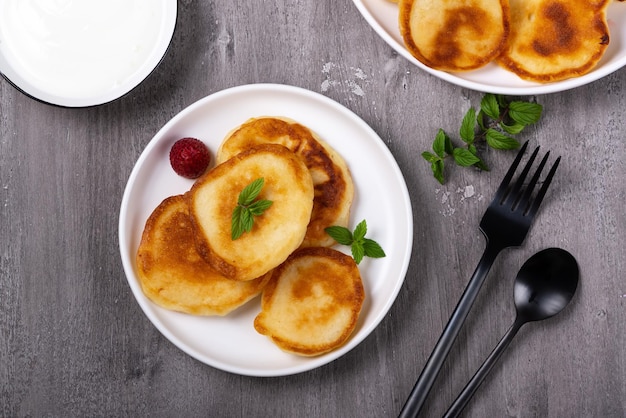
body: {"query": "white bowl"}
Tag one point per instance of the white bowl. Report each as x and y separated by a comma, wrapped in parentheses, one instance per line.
(77, 54)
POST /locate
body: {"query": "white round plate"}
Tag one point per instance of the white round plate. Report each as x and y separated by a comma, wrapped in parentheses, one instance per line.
(86, 81)
(382, 16)
(231, 343)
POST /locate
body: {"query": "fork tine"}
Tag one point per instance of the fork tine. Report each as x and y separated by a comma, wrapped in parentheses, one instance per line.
(501, 193)
(520, 180)
(544, 188)
(524, 201)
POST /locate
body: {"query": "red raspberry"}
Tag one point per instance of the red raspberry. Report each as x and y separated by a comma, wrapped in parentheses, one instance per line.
(189, 157)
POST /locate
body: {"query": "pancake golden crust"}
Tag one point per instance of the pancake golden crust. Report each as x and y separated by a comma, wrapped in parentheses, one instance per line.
(334, 190)
(454, 35)
(275, 234)
(174, 276)
(555, 40)
(312, 303)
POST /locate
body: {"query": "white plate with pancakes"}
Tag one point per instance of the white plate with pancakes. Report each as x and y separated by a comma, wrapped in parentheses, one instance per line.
(81, 54)
(230, 343)
(382, 16)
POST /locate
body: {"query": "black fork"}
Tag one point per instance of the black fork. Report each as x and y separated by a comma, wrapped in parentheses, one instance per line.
(505, 224)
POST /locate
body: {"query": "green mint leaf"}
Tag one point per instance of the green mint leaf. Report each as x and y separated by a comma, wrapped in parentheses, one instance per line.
(480, 118)
(448, 145)
(340, 234)
(236, 228)
(372, 249)
(437, 168)
(260, 206)
(358, 252)
(250, 192)
(247, 221)
(481, 165)
(524, 112)
(513, 129)
(502, 101)
(360, 231)
(439, 144)
(498, 140)
(490, 106)
(468, 126)
(464, 157)
(430, 157)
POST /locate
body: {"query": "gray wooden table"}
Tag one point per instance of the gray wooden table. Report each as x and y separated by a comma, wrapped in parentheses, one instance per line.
(74, 342)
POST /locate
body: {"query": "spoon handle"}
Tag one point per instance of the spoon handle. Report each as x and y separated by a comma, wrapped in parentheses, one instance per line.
(424, 383)
(471, 387)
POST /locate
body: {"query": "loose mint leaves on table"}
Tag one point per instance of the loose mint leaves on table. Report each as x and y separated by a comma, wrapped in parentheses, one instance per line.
(495, 124)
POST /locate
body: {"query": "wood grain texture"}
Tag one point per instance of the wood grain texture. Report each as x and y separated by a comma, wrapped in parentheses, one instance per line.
(73, 341)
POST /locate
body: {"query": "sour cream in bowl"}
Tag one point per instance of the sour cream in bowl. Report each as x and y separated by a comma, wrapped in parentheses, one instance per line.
(79, 53)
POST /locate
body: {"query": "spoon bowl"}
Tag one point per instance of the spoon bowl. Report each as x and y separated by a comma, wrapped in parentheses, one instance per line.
(544, 286)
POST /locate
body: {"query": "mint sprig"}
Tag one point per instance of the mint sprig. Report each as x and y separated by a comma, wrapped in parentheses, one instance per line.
(359, 245)
(247, 208)
(494, 124)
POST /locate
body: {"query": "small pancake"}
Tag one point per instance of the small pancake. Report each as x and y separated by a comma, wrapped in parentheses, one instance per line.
(275, 234)
(334, 190)
(175, 277)
(312, 302)
(454, 35)
(554, 40)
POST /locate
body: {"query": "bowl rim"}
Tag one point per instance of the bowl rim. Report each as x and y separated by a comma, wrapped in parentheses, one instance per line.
(170, 19)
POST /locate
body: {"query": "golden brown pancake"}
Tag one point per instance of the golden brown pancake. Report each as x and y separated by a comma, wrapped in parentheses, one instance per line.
(334, 190)
(454, 35)
(275, 234)
(553, 40)
(173, 275)
(312, 302)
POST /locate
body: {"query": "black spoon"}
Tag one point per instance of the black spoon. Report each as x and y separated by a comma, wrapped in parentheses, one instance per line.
(544, 286)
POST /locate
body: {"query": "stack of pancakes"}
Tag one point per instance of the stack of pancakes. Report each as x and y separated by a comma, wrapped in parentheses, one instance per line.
(539, 40)
(188, 262)
(174, 276)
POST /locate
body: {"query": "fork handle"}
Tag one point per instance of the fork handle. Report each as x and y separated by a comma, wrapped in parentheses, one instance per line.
(424, 383)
